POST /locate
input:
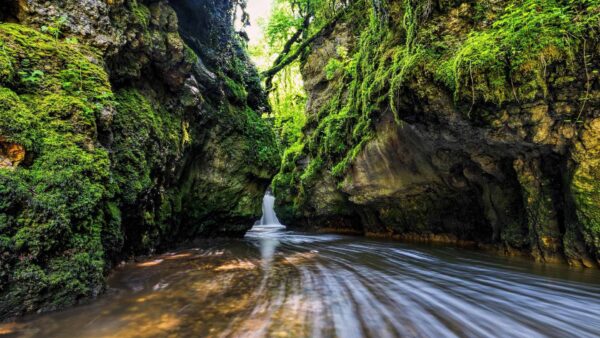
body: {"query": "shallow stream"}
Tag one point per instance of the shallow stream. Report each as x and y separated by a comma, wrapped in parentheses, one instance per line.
(280, 283)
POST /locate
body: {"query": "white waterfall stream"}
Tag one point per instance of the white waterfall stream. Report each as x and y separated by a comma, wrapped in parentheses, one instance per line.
(269, 218)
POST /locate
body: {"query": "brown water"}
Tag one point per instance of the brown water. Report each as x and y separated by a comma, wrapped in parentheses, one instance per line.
(276, 283)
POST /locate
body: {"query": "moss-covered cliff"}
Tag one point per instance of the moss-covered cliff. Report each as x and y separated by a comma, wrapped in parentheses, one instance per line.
(117, 137)
(462, 121)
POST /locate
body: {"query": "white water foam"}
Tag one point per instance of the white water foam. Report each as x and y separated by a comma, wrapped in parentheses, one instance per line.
(269, 218)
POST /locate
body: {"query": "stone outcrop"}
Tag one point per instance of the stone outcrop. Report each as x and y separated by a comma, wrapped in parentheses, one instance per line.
(440, 162)
(11, 154)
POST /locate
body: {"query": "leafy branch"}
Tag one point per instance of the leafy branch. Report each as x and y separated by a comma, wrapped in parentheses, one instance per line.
(286, 57)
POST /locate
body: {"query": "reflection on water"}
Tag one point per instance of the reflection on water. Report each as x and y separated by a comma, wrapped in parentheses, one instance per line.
(276, 283)
(268, 238)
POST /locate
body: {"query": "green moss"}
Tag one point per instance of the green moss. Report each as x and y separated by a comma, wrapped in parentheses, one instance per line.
(363, 82)
(145, 140)
(148, 140)
(6, 63)
(527, 37)
(107, 175)
(141, 13)
(61, 62)
(504, 55)
(235, 90)
(190, 55)
(585, 185)
(112, 233)
(56, 199)
(69, 275)
(30, 281)
(260, 138)
(544, 231)
(17, 123)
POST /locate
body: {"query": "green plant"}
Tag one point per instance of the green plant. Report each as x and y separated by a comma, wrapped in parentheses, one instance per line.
(31, 79)
(55, 30)
(527, 37)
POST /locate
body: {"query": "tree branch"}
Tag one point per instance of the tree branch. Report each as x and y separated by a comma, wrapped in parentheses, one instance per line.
(287, 47)
(284, 60)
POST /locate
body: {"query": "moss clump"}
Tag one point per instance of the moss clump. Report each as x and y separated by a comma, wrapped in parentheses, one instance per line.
(52, 217)
(141, 13)
(587, 198)
(508, 60)
(6, 66)
(260, 143)
(17, 123)
(586, 184)
(235, 90)
(146, 140)
(286, 182)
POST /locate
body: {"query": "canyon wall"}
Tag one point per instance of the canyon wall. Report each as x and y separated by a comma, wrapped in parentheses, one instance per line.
(125, 127)
(469, 122)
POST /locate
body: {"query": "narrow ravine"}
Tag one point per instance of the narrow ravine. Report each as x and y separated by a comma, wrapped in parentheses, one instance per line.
(279, 283)
(425, 168)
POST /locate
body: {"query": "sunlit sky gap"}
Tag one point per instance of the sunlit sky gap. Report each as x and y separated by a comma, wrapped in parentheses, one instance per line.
(259, 10)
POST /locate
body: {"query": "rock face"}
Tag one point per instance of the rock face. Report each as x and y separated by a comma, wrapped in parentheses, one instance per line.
(11, 154)
(437, 127)
(120, 134)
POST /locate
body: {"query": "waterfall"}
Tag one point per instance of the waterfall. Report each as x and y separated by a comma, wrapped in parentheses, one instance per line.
(268, 217)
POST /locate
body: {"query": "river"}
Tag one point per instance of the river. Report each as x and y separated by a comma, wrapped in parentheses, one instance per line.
(278, 283)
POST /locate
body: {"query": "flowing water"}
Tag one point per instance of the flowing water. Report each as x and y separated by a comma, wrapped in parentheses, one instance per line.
(278, 283)
(269, 218)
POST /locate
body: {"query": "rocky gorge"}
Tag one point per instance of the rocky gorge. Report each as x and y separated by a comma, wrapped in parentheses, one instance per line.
(133, 127)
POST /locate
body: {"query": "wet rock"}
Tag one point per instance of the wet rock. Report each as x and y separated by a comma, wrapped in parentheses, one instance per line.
(11, 154)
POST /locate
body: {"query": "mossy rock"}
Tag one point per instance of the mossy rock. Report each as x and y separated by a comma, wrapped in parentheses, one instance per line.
(146, 139)
(109, 174)
(49, 101)
(586, 184)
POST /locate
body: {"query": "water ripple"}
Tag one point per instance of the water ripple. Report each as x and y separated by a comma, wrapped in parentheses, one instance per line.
(278, 283)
